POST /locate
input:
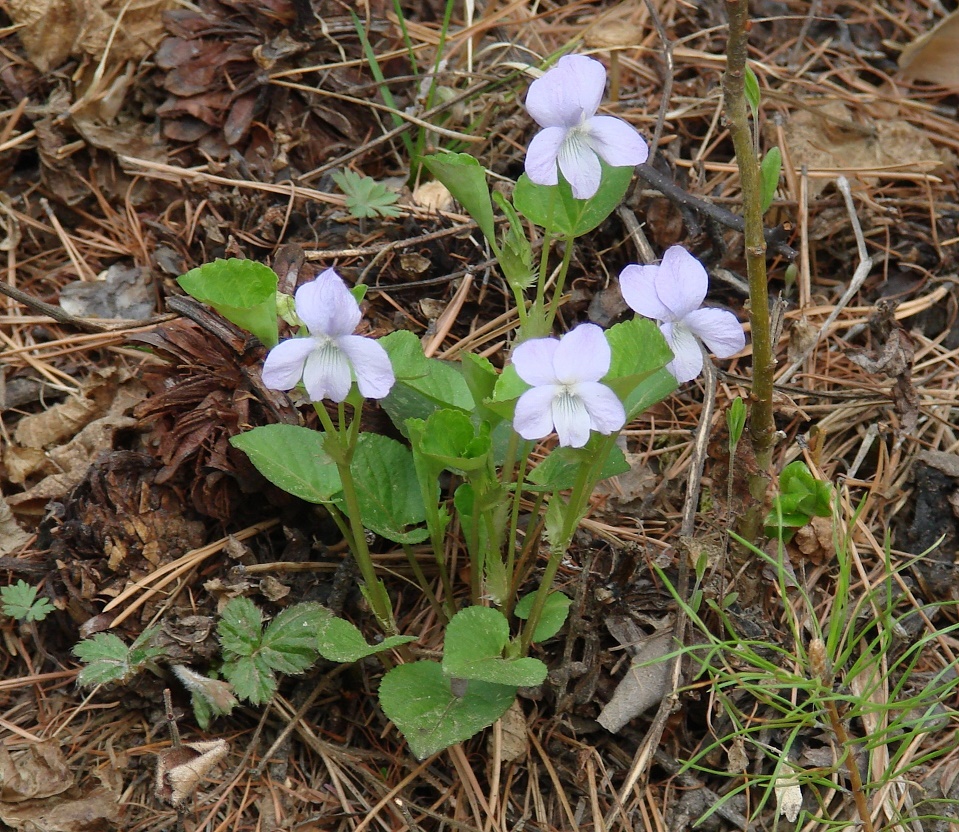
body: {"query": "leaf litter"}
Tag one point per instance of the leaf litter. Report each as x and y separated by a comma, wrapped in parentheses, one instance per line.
(225, 90)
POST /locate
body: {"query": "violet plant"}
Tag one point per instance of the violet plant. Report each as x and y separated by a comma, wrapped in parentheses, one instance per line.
(470, 423)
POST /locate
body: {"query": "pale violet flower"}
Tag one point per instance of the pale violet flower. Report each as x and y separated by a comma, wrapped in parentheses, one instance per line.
(331, 357)
(673, 293)
(566, 395)
(564, 102)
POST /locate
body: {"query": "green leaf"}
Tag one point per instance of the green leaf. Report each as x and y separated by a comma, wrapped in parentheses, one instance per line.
(647, 393)
(251, 677)
(769, 170)
(19, 601)
(341, 641)
(558, 471)
(801, 497)
(736, 420)
(289, 643)
(473, 649)
(387, 489)
(365, 197)
(422, 384)
(638, 349)
(241, 627)
(551, 620)
(465, 179)
(292, 458)
(449, 439)
(636, 374)
(108, 659)
(556, 209)
(516, 253)
(242, 291)
(751, 87)
(418, 699)
(252, 658)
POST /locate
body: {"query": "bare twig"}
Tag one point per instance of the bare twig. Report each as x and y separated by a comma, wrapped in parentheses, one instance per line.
(775, 237)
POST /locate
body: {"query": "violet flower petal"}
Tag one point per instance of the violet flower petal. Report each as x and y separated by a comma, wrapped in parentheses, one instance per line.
(533, 361)
(283, 367)
(687, 360)
(571, 419)
(542, 155)
(371, 365)
(533, 417)
(580, 165)
(616, 142)
(569, 92)
(326, 374)
(606, 411)
(719, 329)
(638, 285)
(681, 282)
(326, 306)
(583, 354)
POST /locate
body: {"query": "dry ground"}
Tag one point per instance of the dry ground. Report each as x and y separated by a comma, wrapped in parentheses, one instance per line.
(135, 149)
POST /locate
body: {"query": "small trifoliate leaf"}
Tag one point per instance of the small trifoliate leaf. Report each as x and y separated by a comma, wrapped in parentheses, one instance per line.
(365, 197)
(20, 601)
(108, 659)
(251, 677)
(289, 643)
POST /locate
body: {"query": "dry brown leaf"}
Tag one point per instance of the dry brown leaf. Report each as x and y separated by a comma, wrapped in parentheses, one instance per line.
(180, 770)
(96, 809)
(66, 419)
(515, 743)
(644, 685)
(829, 137)
(36, 772)
(53, 30)
(12, 537)
(66, 464)
(932, 56)
(815, 540)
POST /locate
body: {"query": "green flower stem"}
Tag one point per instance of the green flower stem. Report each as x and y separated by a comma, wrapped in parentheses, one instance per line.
(340, 449)
(560, 283)
(762, 428)
(514, 518)
(575, 510)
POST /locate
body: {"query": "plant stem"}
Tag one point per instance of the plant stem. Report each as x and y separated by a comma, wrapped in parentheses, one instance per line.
(560, 539)
(761, 425)
(342, 455)
(560, 282)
